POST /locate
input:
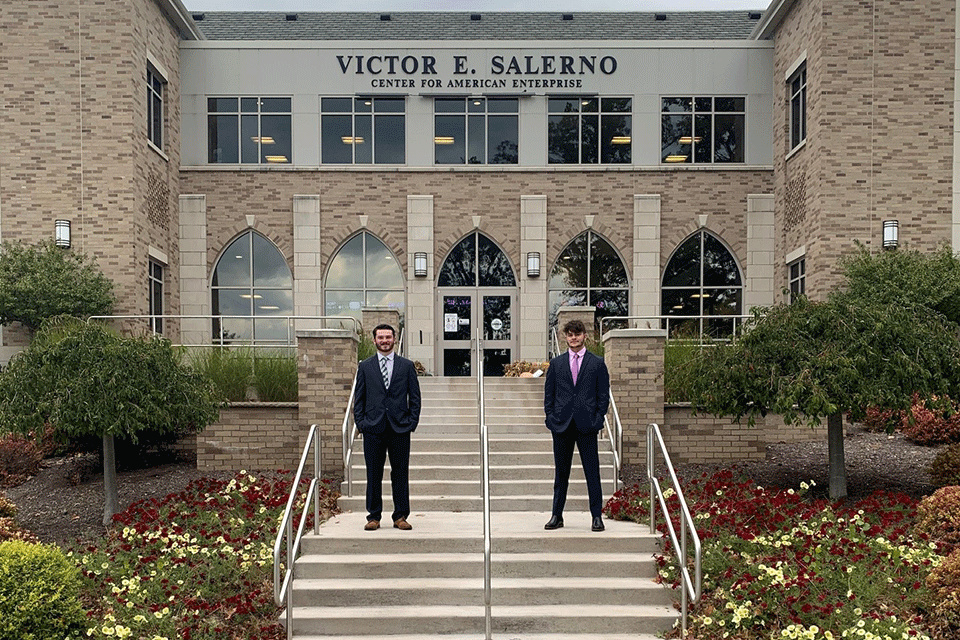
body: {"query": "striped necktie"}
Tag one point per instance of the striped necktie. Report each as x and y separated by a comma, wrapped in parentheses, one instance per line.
(383, 370)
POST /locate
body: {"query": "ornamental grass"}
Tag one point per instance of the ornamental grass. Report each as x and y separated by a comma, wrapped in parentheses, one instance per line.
(778, 564)
(196, 565)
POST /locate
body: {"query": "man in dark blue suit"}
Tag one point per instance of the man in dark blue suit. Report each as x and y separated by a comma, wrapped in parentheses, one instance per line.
(576, 395)
(386, 408)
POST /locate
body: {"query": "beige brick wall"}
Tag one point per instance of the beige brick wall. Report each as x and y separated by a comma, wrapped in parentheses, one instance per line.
(880, 129)
(73, 134)
(264, 437)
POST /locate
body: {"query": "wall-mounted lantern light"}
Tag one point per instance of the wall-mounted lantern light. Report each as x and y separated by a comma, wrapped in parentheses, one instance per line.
(420, 264)
(533, 264)
(891, 234)
(62, 233)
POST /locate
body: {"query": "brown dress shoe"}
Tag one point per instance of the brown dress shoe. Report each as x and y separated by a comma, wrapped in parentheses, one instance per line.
(372, 525)
(402, 524)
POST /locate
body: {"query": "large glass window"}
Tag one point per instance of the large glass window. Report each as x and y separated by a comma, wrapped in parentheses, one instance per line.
(476, 261)
(252, 282)
(362, 131)
(155, 84)
(589, 272)
(702, 130)
(248, 130)
(589, 130)
(702, 288)
(363, 273)
(476, 130)
(798, 106)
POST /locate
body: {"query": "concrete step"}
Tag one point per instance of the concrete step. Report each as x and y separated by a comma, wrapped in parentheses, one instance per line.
(468, 503)
(503, 636)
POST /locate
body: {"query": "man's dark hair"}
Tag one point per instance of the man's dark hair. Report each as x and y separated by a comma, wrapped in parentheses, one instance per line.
(574, 326)
(381, 327)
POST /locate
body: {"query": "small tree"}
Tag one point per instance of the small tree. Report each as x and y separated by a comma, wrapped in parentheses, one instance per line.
(85, 380)
(43, 281)
(813, 360)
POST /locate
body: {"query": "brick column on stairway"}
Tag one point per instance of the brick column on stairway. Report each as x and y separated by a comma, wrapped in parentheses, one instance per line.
(326, 367)
(373, 316)
(635, 360)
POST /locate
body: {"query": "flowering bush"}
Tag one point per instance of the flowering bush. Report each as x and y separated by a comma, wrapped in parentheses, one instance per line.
(777, 564)
(938, 517)
(197, 565)
(932, 425)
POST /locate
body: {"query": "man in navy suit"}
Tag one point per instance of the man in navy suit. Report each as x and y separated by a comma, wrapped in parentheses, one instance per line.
(386, 409)
(576, 395)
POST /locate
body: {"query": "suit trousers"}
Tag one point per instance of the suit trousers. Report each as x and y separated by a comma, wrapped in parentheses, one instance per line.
(586, 444)
(376, 447)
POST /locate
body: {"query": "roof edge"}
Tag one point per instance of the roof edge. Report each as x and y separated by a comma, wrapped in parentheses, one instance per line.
(178, 14)
(771, 19)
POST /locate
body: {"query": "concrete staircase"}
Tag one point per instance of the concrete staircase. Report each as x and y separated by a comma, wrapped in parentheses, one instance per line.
(425, 583)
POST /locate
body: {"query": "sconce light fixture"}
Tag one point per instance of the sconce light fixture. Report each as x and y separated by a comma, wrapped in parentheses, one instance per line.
(420, 264)
(62, 233)
(891, 234)
(533, 264)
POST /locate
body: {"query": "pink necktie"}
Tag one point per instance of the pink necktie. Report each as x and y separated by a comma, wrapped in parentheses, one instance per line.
(576, 367)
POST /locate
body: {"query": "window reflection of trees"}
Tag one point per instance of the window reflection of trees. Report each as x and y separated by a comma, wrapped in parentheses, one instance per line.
(476, 261)
(589, 272)
(702, 281)
(589, 130)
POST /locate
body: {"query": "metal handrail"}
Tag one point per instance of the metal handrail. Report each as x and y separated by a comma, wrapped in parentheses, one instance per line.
(615, 434)
(738, 321)
(485, 481)
(690, 588)
(348, 440)
(247, 342)
(282, 594)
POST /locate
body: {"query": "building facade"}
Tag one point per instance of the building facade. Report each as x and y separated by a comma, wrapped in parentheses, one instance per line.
(475, 172)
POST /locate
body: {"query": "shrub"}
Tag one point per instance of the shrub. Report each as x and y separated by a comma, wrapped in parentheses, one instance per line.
(20, 458)
(944, 582)
(275, 377)
(230, 370)
(938, 516)
(882, 420)
(365, 348)
(515, 368)
(945, 469)
(931, 425)
(39, 593)
(676, 355)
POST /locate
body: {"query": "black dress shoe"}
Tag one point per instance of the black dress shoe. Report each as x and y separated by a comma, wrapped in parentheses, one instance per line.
(597, 524)
(555, 522)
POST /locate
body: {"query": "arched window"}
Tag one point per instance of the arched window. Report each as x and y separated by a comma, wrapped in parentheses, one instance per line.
(363, 273)
(252, 279)
(476, 261)
(589, 272)
(702, 283)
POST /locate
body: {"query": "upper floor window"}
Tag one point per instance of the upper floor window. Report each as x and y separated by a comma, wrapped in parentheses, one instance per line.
(798, 106)
(476, 130)
(589, 130)
(362, 131)
(798, 278)
(155, 84)
(702, 130)
(248, 130)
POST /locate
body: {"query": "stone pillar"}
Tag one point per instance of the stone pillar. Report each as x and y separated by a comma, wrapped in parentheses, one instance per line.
(307, 274)
(194, 290)
(326, 367)
(587, 315)
(634, 358)
(372, 316)
(419, 324)
(760, 288)
(646, 259)
(532, 312)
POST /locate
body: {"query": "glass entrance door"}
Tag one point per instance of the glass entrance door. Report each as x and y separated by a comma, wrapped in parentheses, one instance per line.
(461, 312)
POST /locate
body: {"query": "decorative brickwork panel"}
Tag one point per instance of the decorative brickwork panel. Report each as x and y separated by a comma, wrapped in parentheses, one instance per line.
(262, 438)
(795, 207)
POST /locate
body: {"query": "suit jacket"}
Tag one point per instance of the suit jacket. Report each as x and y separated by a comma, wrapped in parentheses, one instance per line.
(375, 406)
(584, 404)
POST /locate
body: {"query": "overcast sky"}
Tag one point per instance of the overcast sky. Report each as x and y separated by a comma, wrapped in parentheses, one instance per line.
(473, 5)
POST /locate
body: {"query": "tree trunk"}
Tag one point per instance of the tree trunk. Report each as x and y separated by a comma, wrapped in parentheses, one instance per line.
(110, 498)
(838, 469)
